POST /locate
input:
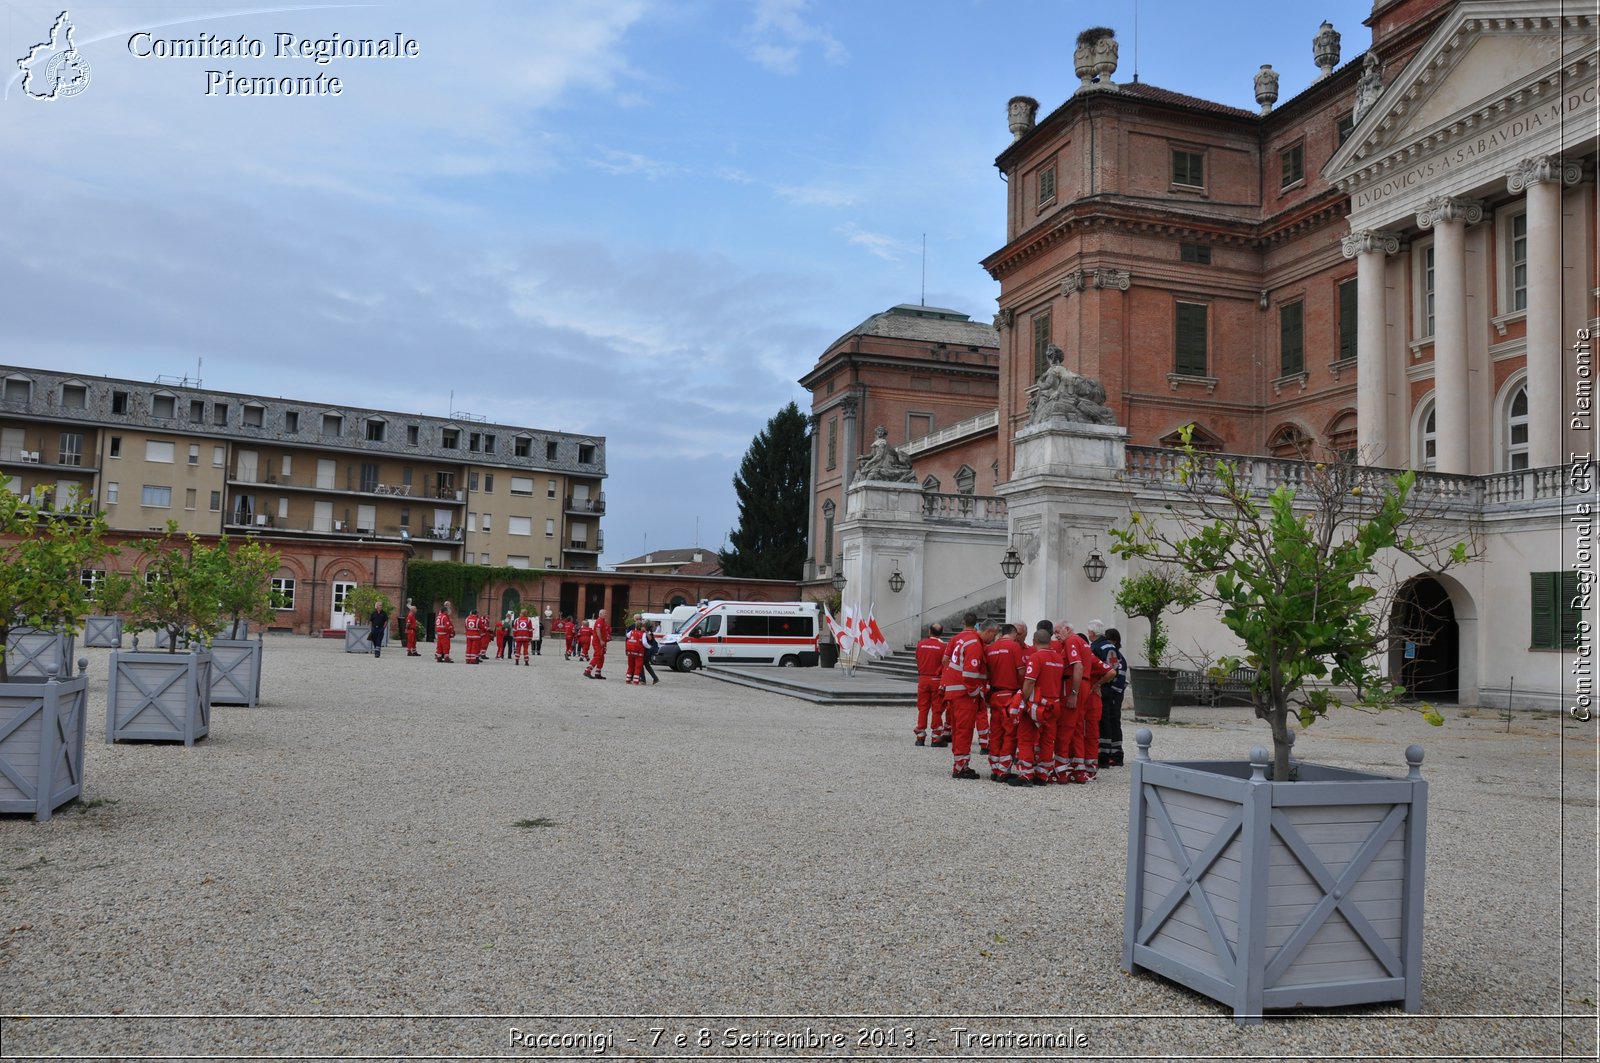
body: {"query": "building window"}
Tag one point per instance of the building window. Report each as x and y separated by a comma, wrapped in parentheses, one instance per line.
(216, 502)
(332, 426)
(1047, 185)
(1041, 342)
(585, 453)
(1428, 441)
(549, 528)
(522, 447)
(188, 498)
(74, 396)
(164, 406)
(827, 532)
(1188, 168)
(1347, 125)
(1289, 442)
(1292, 163)
(219, 414)
(376, 429)
(283, 593)
(158, 451)
(1427, 291)
(474, 441)
(930, 484)
(522, 485)
(472, 479)
(413, 435)
(488, 483)
(1517, 430)
(253, 416)
(550, 451)
(966, 481)
(550, 489)
(112, 490)
(1342, 435)
(472, 522)
(450, 438)
(116, 447)
(1196, 253)
(918, 425)
(119, 403)
(194, 453)
(158, 497)
(219, 456)
(71, 452)
(369, 476)
(1291, 338)
(405, 516)
(291, 422)
(488, 520)
(833, 442)
(92, 579)
(1347, 321)
(1190, 357)
(197, 411)
(1519, 262)
(1557, 610)
(519, 526)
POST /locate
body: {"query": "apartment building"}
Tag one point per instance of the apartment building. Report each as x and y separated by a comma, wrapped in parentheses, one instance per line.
(318, 480)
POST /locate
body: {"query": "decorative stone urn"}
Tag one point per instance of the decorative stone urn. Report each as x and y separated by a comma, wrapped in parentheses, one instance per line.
(1094, 60)
(1325, 49)
(1021, 113)
(1266, 87)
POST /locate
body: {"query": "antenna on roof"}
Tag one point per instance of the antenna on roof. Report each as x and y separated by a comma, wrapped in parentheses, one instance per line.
(924, 269)
(1135, 42)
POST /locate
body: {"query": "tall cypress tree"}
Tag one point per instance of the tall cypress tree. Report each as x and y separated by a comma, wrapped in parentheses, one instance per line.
(773, 485)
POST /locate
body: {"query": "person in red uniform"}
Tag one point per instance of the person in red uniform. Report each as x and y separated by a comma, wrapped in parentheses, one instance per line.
(569, 633)
(633, 648)
(472, 632)
(1097, 673)
(1075, 656)
(502, 636)
(521, 638)
(966, 682)
(1005, 661)
(585, 636)
(930, 699)
(1034, 764)
(444, 626)
(411, 631)
(597, 646)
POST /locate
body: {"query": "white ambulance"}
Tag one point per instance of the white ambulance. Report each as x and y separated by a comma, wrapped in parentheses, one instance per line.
(781, 633)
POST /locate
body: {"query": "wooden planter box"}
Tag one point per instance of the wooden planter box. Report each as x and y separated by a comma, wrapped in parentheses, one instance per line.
(31, 652)
(161, 696)
(103, 632)
(356, 640)
(236, 671)
(1267, 895)
(42, 723)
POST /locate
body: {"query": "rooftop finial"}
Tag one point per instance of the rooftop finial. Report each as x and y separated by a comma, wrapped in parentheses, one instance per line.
(1325, 49)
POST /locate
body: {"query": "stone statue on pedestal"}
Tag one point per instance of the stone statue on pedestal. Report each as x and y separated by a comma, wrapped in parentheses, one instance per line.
(885, 462)
(1062, 395)
(1369, 88)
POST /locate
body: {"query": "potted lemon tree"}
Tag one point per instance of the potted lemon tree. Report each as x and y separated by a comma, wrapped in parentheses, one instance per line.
(1152, 594)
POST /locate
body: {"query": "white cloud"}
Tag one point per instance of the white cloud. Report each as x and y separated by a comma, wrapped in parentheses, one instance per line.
(883, 246)
(818, 195)
(779, 33)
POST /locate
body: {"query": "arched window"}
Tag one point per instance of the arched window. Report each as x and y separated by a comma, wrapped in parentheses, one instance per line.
(827, 532)
(1516, 430)
(1203, 439)
(966, 481)
(1289, 442)
(1342, 434)
(1427, 453)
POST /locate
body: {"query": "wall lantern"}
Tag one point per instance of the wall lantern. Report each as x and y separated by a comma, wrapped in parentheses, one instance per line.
(1011, 564)
(897, 582)
(838, 582)
(1095, 566)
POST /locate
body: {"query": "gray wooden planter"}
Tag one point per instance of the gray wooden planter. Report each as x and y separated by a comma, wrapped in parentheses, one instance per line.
(1266, 895)
(104, 632)
(42, 723)
(356, 640)
(31, 652)
(159, 696)
(236, 671)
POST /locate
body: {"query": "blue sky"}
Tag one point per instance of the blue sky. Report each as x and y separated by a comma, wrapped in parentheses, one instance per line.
(636, 219)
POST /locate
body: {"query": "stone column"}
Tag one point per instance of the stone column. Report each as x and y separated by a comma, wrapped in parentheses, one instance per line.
(815, 424)
(1449, 217)
(847, 459)
(1369, 247)
(1541, 179)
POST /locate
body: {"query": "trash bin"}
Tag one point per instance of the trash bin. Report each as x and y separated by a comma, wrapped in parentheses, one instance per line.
(829, 654)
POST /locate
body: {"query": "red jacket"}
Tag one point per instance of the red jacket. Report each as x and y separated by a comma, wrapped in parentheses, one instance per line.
(966, 669)
(443, 625)
(1006, 661)
(602, 629)
(633, 644)
(930, 657)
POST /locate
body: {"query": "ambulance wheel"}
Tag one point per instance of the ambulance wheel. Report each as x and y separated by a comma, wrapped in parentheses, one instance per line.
(789, 661)
(687, 662)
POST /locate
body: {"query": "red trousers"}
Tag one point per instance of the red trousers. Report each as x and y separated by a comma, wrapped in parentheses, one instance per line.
(597, 656)
(1069, 725)
(1086, 752)
(1003, 705)
(474, 646)
(930, 708)
(520, 648)
(636, 672)
(961, 711)
(411, 640)
(1036, 740)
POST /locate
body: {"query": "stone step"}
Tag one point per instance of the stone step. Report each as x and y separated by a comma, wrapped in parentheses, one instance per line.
(820, 686)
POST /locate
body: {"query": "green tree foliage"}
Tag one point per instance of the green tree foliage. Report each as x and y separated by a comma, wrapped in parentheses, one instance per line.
(184, 586)
(429, 584)
(246, 583)
(362, 600)
(772, 487)
(43, 554)
(1151, 594)
(1304, 576)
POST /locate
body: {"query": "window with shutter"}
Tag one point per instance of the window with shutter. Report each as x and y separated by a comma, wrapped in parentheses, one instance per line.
(1291, 338)
(1191, 339)
(1041, 342)
(1347, 321)
(1556, 610)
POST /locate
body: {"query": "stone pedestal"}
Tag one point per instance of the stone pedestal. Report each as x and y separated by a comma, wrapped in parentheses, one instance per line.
(1066, 490)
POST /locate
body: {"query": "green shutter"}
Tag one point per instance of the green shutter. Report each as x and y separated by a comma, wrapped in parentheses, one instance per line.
(1291, 338)
(1041, 342)
(1569, 606)
(1557, 610)
(1191, 339)
(1542, 593)
(1347, 321)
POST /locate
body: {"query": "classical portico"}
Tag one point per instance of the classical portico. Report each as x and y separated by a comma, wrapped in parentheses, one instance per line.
(1458, 178)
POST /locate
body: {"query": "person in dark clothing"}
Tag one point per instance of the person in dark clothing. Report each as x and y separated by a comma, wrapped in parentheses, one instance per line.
(651, 647)
(1108, 647)
(377, 628)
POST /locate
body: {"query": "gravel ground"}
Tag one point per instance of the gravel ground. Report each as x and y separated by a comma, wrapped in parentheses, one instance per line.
(393, 857)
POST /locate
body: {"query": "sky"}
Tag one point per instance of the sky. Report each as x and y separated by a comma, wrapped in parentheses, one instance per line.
(636, 219)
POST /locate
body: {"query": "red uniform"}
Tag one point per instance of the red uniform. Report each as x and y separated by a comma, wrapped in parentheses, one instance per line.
(965, 681)
(502, 634)
(521, 639)
(1036, 725)
(633, 646)
(585, 637)
(1087, 752)
(1074, 706)
(443, 628)
(930, 699)
(569, 634)
(597, 647)
(1006, 660)
(473, 632)
(411, 635)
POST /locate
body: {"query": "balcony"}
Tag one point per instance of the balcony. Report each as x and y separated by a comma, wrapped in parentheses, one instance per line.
(265, 523)
(975, 510)
(18, 456)
(586, 505)
(584, 546)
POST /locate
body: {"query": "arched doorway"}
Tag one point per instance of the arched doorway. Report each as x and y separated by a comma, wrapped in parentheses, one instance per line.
(510, 601)
(1426, 656)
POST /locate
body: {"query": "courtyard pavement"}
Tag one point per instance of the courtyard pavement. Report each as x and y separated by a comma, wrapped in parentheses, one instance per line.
(395, 858)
